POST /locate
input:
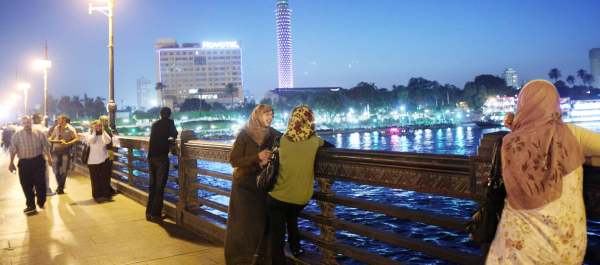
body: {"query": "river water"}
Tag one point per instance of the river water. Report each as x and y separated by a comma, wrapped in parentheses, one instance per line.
(461, 140)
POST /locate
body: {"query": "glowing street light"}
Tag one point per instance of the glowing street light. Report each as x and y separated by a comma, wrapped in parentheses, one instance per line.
(44, 65)
(25, 87)
(108, 10)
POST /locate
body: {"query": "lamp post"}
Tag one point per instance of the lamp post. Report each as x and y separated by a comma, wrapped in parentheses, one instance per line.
(108, 11)
(44, 65)
(25, 87)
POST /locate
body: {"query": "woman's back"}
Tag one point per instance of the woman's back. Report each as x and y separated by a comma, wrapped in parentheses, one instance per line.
(296, 170)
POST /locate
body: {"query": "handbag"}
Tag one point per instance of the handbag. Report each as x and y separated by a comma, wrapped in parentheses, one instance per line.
(85, 153)
(484, 221)
(268, 176)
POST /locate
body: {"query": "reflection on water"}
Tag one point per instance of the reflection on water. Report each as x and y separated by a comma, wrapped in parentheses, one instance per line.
(457, 141)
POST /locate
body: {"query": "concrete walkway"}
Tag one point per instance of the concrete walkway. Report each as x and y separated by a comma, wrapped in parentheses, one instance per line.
(73, 229)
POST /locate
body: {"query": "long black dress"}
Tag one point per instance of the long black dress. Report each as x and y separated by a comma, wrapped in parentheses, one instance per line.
(246, 219)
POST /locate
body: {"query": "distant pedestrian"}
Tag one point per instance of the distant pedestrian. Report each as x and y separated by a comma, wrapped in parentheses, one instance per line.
(7, 134)
(37, 125)
(295, 181)
(30, 146)
(63, 138)
(98, 162)
(158, 159)
(246, 218)
(111, 155)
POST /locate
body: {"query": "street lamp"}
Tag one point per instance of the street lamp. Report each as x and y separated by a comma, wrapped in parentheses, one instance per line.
(44, 65)
(25, 87)
(108, 11)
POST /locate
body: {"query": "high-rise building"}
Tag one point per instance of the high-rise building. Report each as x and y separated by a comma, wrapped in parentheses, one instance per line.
(146, 94)
(194, 70)
(283, 18)
(595, 66)
(511, 78)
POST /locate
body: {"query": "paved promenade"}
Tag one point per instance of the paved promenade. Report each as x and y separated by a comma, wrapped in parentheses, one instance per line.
(73, 229)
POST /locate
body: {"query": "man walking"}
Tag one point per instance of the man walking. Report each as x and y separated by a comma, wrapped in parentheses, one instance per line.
(30, 145)
(37, 125)
(63, 138)
(158, 159)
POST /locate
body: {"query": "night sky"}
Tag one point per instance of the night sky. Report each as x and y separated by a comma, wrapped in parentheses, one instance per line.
(335, 42)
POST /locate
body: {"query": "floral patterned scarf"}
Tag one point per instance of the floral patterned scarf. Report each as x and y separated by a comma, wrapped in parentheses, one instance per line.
(255, 128)
(540, 150)
(301, 125)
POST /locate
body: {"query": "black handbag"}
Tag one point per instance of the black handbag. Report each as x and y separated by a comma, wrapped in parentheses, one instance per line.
(484, 222)
(268, 176)
(85, 153)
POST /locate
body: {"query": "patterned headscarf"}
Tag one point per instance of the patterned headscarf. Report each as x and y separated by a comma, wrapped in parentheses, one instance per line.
(540, 150)
(255, 127)
(301, 125)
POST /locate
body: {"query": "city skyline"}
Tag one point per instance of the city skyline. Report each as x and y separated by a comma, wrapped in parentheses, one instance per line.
(335, 44)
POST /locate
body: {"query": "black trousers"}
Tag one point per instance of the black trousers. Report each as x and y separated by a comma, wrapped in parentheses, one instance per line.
(159, 173)
(32, 175)
(282, 215)
(100, 178)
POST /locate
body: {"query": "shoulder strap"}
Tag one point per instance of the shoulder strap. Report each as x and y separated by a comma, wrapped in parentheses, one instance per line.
(496, 171)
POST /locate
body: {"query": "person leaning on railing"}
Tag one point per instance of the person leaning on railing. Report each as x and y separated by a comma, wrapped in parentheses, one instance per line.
(294, 187)
(543, 221)
(99, 163)
(158, 160)
(246, 218)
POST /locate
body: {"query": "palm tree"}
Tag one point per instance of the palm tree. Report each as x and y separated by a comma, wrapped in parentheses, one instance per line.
(581, 74)
(571, 80)
(554, 74)
(231, 90)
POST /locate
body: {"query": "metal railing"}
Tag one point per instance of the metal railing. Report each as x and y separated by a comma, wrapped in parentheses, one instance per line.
(196, 195)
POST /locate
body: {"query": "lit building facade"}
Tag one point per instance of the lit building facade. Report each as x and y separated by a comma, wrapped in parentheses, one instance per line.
(146, 94)
(511, 78)
(595, 66)
(283, 18)
(199, 70)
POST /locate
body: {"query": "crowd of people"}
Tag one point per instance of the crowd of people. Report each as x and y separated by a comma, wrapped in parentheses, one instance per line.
(543, 221)
(42, 151)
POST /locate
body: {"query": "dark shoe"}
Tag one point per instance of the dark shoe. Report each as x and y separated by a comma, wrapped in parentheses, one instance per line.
(155, 219)
(29, 210)
(60, 191)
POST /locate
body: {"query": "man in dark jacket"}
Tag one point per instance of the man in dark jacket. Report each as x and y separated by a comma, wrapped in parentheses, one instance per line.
(158, 159)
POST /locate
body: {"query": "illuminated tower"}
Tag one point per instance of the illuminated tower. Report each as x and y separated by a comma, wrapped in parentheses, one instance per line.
(283, 17)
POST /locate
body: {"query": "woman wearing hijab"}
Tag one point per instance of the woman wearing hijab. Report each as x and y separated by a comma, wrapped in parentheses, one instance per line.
(294, 186)
(98, 162)
(543, 221)
(246, 219)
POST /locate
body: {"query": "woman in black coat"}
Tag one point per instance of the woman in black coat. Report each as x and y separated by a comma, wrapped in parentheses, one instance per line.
(246, 219)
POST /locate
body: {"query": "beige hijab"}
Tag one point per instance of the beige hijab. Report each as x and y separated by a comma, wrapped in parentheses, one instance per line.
(540, 150)
(255, 127)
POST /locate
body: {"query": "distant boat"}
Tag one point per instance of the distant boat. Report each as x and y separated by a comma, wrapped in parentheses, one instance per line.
(489, 124)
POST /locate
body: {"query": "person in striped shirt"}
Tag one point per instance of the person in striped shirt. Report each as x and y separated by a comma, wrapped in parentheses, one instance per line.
(30, 145)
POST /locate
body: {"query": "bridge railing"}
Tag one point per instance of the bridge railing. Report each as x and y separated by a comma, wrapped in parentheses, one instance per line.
(344, 209)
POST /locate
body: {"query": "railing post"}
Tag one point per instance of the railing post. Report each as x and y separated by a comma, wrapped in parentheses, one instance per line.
(327, 230)
(130, 166)
(187, 172)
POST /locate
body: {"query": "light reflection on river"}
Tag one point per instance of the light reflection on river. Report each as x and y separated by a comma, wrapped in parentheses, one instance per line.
(462, 140)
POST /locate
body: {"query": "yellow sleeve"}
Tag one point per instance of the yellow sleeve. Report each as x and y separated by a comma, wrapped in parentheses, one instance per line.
(590, 143)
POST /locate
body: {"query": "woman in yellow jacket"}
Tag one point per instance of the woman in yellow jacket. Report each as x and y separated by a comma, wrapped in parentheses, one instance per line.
(294, 186)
